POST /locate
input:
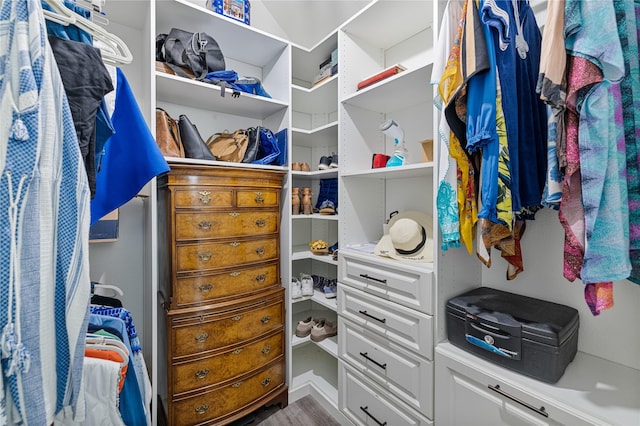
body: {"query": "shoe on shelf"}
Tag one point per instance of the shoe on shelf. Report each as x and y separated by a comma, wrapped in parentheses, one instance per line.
(331, 290)
(303, 329)
(327, 208)
(307, 284)
(325, 163)
(323, 329)
(295, 166)
(333, 248)
(296, 288)
(318, 282)
(304, 167)
(333, 164)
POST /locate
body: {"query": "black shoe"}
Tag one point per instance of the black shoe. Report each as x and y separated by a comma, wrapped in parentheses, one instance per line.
(325, 163)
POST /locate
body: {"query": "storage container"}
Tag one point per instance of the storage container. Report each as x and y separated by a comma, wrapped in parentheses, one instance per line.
(531, 336)
(239, 10)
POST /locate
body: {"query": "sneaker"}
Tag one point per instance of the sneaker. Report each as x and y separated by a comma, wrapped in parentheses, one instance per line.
(333, 164)
(307, 284)
(323, 329)
(331, 290)
(303, 329)
(296, 288)
(327, 208)
(325, 163)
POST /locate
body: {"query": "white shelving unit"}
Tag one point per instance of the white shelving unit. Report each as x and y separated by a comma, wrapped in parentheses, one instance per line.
(314, 112)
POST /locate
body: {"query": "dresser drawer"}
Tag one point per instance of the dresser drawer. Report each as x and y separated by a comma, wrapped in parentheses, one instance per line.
(238, 282)
(406, 327)
(394, 368)
(364, 403)
(225, 400)
(203, 373)
(210, 330)
(203, 197)
(411, 287)
(196, 257)
(257, 198)
(190, 226)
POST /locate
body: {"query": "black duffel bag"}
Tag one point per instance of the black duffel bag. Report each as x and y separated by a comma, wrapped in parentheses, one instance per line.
(198, 52)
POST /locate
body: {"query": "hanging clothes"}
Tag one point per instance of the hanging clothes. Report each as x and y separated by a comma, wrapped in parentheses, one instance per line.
(447, 197)
(42, 182)
(132, 157)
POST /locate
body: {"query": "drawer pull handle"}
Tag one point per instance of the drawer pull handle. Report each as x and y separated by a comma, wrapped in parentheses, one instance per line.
(236, 385)
(266, 349)
(205, 198)
(366, 276)
(265, 319)
(235, 274)
(201, 374)
(205, 257)
(369, 414)
(237, 351)
(260, 223)
(234, 214)
(266, 382)
(236, 318)
(200, 338)
(234, 244)
(205, 288)
(365, 354)
(202, 408)
(540, 410)
(260, 251)
(382, 320)
(260, 278)
(259, 198)
(204, 225)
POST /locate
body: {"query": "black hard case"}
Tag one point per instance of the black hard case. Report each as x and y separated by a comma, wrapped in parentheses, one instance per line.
(531, 336)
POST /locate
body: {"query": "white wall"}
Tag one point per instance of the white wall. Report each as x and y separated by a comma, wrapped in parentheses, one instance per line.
(613, 334)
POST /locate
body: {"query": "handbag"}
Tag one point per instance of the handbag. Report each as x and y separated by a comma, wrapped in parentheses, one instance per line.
(229, 146)
(168, 135)
(268, 150)
(253, 145)
(198, 52)
(194, 146)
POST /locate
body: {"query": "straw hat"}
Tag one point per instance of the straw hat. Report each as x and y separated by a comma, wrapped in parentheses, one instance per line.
(409, 237)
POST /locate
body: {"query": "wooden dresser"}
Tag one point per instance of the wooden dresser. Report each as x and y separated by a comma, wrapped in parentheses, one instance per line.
(220, 288)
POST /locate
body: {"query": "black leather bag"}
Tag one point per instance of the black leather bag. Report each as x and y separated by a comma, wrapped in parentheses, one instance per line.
(253, 146)
(198, 52)
(194, 146)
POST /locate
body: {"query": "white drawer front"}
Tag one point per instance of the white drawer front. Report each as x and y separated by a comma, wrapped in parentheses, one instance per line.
(410, 288)
(396, 369)
(409, 328)
(364, 403)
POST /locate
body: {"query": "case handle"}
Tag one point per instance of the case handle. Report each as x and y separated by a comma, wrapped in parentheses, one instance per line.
(369, 414)
(382, 320)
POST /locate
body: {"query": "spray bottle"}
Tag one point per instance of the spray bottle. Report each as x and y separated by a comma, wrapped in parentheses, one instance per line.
(399, 156)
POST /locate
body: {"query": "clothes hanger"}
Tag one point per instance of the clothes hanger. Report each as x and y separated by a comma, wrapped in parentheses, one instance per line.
(116, 349)
(61, 14)
(98, 339)
(115, 288)
(118, 53)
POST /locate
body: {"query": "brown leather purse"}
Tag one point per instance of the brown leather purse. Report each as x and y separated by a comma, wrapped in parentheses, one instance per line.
(229, 146)
(168, 135)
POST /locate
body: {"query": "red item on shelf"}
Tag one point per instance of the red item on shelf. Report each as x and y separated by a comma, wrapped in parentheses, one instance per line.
(391, 71)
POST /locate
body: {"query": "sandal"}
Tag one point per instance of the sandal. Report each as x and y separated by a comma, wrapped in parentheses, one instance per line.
(327, 207)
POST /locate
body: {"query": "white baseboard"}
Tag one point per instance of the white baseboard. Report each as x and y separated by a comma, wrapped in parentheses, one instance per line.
(326, 402)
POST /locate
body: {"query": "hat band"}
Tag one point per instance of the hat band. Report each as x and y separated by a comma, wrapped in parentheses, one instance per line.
(418, 247)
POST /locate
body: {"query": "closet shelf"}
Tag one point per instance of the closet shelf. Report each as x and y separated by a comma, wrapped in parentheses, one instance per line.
(316, 99)
(319, 298)
(175, 160)
(196, 94)
(303, 252)
(315, 216)
(393, 22)
(402, 91)
(316, 174)
(304, 62)
(401, 172)
(257, 47)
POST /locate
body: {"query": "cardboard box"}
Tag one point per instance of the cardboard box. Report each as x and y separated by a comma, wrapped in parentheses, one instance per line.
(239, 10)
(427, 150)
